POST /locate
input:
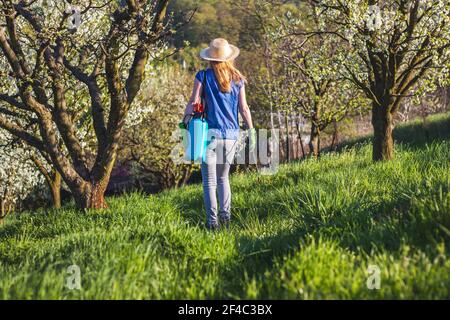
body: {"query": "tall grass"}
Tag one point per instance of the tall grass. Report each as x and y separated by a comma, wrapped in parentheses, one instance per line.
(310, 231)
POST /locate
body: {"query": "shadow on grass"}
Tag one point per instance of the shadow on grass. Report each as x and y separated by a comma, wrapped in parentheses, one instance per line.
(257, 256)
(384, 226)
(361, 225)
(414, 135)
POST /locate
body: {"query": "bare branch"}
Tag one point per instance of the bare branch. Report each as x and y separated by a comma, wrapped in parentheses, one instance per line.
(21, 133)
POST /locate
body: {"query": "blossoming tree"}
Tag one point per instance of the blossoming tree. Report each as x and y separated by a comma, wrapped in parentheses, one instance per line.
(309, 66)
(395, 48)
(55, 50)
(161, 105)
(18, 176)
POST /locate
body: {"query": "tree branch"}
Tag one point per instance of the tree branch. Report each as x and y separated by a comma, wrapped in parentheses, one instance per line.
(21, 133)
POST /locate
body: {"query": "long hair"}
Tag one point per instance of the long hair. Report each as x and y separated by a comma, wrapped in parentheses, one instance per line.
(225, 73)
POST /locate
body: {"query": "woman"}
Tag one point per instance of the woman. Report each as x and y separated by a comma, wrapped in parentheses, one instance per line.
(224, 92)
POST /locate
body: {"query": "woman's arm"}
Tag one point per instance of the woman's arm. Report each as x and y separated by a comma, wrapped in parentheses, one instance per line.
(195, 98)
(244, 109)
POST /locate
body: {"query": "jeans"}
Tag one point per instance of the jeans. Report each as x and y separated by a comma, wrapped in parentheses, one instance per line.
(215, 170)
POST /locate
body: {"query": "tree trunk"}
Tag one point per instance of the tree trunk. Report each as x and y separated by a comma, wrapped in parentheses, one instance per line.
(3, 210)
(6, 207)
(280, 124)
(335, 140)
(314, 140)
(53, 179)
(55, 188)
(288, 147)
(91, 196)
(383, 143)
(299, 133)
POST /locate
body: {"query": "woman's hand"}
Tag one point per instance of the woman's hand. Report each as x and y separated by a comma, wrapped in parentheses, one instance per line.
(195, 98)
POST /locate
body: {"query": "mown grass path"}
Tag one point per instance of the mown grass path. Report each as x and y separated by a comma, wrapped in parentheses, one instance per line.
(310, 231)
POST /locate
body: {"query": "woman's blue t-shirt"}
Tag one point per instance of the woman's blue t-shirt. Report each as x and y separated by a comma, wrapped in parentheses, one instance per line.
(222, 109)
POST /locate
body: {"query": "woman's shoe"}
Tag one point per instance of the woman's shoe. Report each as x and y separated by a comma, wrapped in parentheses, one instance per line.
(225, 223)
(212, 227)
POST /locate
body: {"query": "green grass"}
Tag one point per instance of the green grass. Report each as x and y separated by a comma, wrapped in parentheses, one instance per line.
(308, 232)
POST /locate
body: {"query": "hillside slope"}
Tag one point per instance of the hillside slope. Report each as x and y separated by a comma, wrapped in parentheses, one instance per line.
(310, 231)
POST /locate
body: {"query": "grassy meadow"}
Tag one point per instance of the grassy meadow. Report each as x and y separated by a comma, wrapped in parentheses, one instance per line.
(309, 232)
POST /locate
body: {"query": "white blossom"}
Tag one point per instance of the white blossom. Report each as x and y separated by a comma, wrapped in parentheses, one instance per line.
(19, 178)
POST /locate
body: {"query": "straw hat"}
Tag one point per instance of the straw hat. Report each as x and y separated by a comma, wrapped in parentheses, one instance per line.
(219, 50)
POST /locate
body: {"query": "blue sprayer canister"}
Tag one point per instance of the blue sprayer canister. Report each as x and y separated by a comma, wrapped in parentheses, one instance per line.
(197, 129)
(197, 140)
